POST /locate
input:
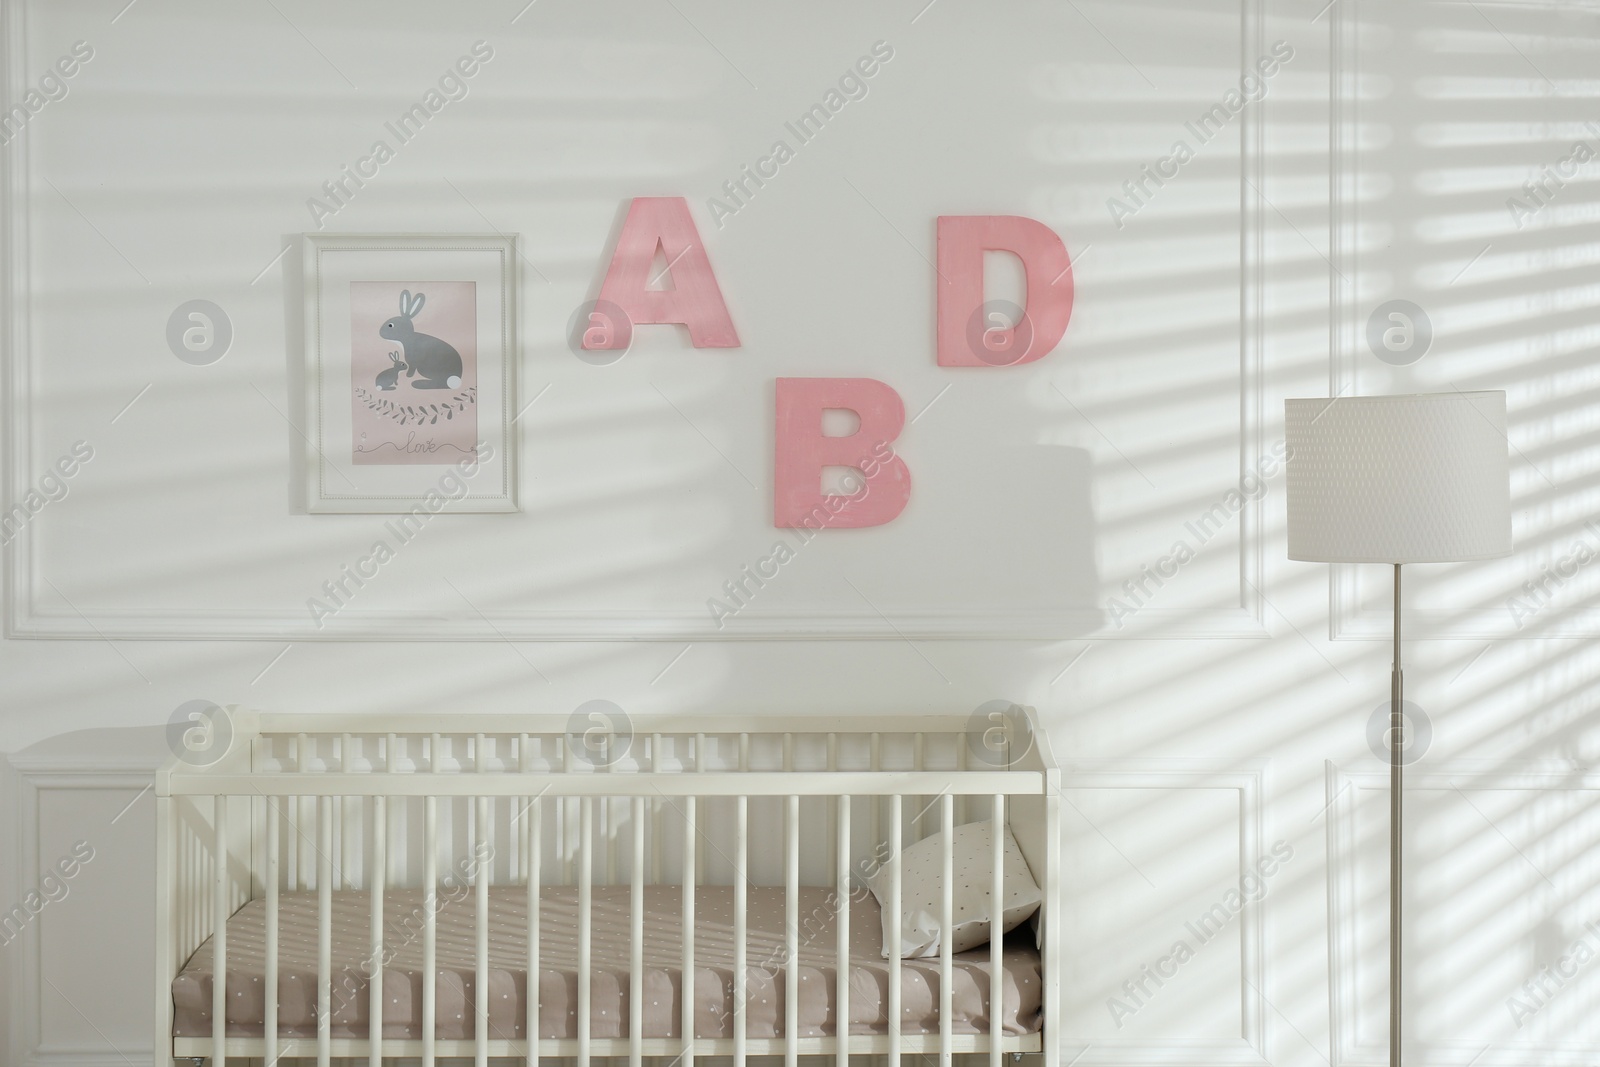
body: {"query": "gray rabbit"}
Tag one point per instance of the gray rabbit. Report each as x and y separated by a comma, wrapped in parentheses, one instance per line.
(437, 362)
(387, 379)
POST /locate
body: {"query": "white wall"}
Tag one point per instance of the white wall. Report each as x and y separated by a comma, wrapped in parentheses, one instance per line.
(178, 167)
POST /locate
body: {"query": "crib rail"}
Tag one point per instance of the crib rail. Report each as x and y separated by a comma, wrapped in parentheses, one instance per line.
(312, 804)
(712, 784)
(668, 1049)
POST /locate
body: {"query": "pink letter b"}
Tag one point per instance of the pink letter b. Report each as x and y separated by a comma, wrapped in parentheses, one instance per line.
(803, 450)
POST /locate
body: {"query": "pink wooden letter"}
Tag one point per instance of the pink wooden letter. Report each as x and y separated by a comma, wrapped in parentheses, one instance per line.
(803, 450)
(967, 335)
(695, 301)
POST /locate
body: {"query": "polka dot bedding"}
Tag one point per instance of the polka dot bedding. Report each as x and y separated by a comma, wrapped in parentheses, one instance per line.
(609, 968)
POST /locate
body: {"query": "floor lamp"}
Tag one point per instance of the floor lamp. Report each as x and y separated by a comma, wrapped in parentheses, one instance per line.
(1398, 479)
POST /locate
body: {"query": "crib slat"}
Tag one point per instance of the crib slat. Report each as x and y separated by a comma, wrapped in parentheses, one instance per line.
(946, 921)
(920, 756)
(480, 1029)
(535, 832)
(791, 927)
(690, 882)
(895, 815)
(832, 811)
(877, 802)
(608, 832)
(563, 811)
(741, 919)
(655, 813)
(347, 864)
(304, 851)
(636, 941)
(380, 860)
(517, 840)
(1049, 917)
(741, 901)
(964, 802)
(269, 1030)
(791, 898)
(997, 904)
(585, 912)
(841, 890)
(219, 933)
(700, 767)
(430, 918)
(291, 816)
(324, 931)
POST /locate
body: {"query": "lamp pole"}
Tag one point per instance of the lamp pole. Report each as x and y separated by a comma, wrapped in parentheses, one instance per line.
(1396, 795)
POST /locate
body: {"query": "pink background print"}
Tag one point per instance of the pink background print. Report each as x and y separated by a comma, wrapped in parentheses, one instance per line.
(405, 424)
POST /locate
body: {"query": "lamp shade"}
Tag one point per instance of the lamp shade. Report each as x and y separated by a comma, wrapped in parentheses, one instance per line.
(1422, 478)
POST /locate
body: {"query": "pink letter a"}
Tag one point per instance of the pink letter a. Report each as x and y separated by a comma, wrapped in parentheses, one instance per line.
(695, 301)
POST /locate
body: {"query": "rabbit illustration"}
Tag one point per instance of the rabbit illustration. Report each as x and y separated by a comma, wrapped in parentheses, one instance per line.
(387, 379)
(437, 362)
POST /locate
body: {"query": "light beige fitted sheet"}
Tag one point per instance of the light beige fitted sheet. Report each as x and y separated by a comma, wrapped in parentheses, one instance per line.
(609, 968)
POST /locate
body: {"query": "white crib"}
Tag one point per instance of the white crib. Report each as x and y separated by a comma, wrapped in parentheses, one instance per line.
(304, 803)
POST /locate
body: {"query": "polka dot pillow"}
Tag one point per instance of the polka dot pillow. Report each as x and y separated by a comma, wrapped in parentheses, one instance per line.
(921, 891)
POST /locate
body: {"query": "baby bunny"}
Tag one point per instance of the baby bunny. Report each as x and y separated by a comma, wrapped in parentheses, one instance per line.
(387, 379)
(437, 362)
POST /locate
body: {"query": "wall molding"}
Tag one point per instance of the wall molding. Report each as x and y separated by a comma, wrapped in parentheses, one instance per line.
(591, 626)
(31, 777)
(1248, 779)
(1342, 784)
(1349, 585)
(27, 617)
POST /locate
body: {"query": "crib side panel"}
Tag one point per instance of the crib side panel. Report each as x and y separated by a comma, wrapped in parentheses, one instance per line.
(583, 838)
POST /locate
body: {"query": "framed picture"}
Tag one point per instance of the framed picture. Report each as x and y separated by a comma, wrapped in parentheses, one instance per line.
(410, 364)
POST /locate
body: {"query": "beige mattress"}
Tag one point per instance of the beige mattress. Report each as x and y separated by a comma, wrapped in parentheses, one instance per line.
(609, 967)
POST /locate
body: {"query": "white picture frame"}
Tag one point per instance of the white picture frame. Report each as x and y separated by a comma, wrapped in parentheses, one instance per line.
(398, 417)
